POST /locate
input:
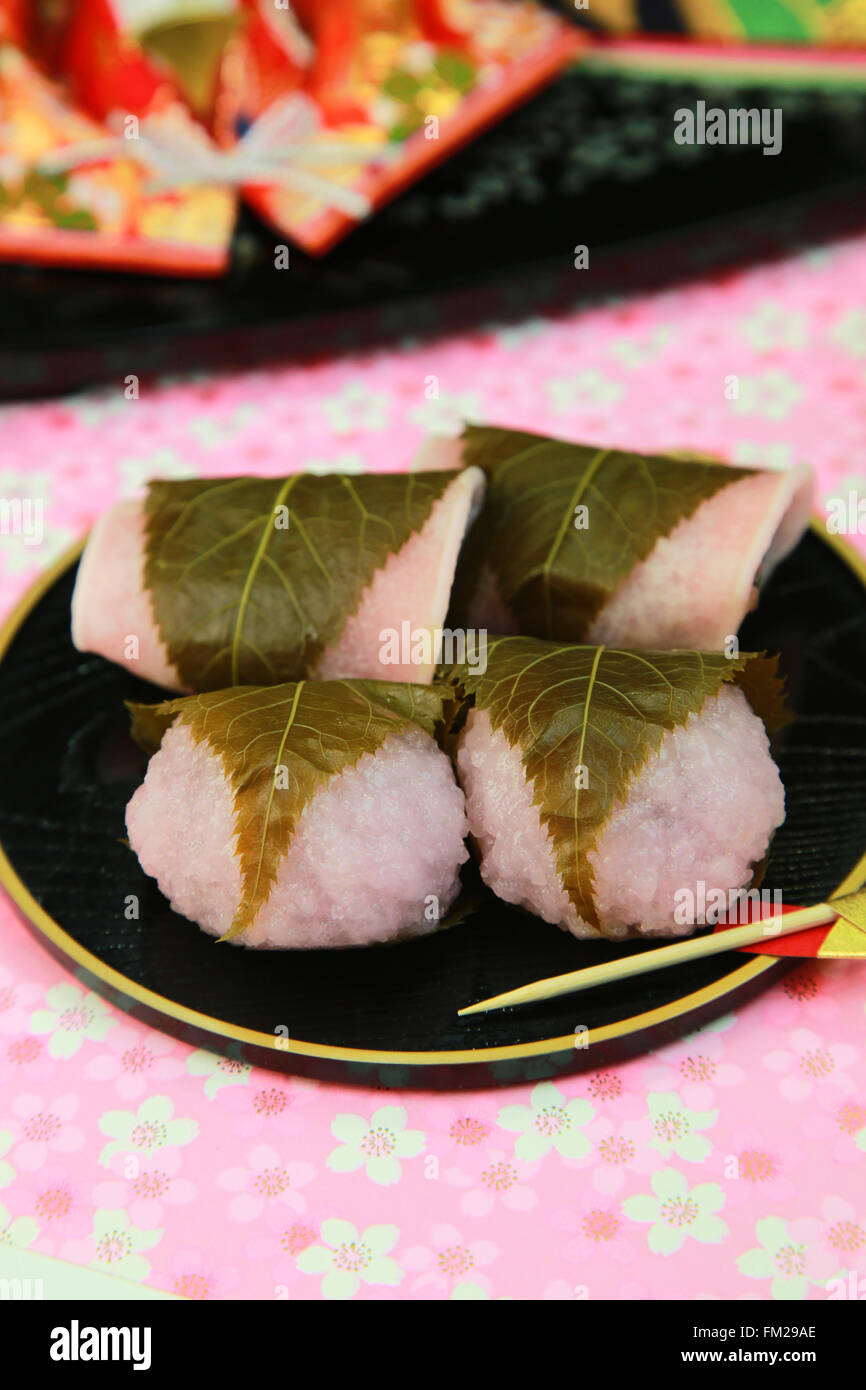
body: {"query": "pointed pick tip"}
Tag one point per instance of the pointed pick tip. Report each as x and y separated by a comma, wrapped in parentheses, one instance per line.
(472, 1009)
(507, 1000)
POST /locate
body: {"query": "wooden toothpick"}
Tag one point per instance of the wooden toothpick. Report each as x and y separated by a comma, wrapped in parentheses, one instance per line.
(852, 907)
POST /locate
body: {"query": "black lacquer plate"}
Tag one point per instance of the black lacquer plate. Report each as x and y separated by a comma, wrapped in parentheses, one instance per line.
(388, 1013)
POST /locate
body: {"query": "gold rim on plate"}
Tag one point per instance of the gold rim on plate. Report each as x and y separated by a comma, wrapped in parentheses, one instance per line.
(67, 944)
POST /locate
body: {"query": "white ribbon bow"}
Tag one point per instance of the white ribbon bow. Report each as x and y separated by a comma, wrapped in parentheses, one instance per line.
(270, 152)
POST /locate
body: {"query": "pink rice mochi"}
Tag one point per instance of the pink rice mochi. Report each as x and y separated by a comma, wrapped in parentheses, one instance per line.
(111, 609)
(704, 809)
(112, 612)
(375, 854)
(697, 583)
(413, 587)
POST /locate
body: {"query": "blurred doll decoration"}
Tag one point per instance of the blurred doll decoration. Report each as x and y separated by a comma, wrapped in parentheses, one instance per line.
(149, 118)
(334, 34)
(831, 22)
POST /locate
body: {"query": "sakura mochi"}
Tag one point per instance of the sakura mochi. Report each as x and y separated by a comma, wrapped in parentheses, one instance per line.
(602, 784)
(307, 815)
(209, 583)
(587, 544)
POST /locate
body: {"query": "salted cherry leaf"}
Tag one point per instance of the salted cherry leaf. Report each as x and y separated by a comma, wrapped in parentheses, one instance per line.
(280, 745)
(586, 719)
(251, 578)
(555, 565)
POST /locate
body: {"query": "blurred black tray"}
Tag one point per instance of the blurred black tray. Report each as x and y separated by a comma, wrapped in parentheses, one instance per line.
(590, 160)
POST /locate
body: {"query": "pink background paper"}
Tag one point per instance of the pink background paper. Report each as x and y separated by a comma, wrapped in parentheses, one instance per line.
(730, 1164)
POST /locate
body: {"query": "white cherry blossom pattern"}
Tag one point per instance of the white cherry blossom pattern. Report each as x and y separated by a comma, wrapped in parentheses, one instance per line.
(792, 1255)
(264, 1179)
(212, 433)
(849, 331)
(218, 1071)
(356, 408)
(347, 1258)
(45, 1127)
(772, 393)
(639, 351)
(777, 454)
(350, 461)
(378, 1145)
(585, 388)
(7, 1172)
(515, 335)
(447, 413)
(71, 1017)
(135, 473)
(118, 1245)
(98, 404)
(677, 1129)
(152, 1127)
(549, 1122)
(677, 1212)
(470, 1291)
(770, 325)
(17, 1231)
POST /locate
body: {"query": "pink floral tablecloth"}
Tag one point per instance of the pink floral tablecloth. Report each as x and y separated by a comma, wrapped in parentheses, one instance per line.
(731, 1164)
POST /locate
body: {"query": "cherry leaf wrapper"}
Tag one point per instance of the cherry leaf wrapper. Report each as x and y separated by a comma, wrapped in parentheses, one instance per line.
(569, 708)
(564, 525)
(279, 745)
(251, 579)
